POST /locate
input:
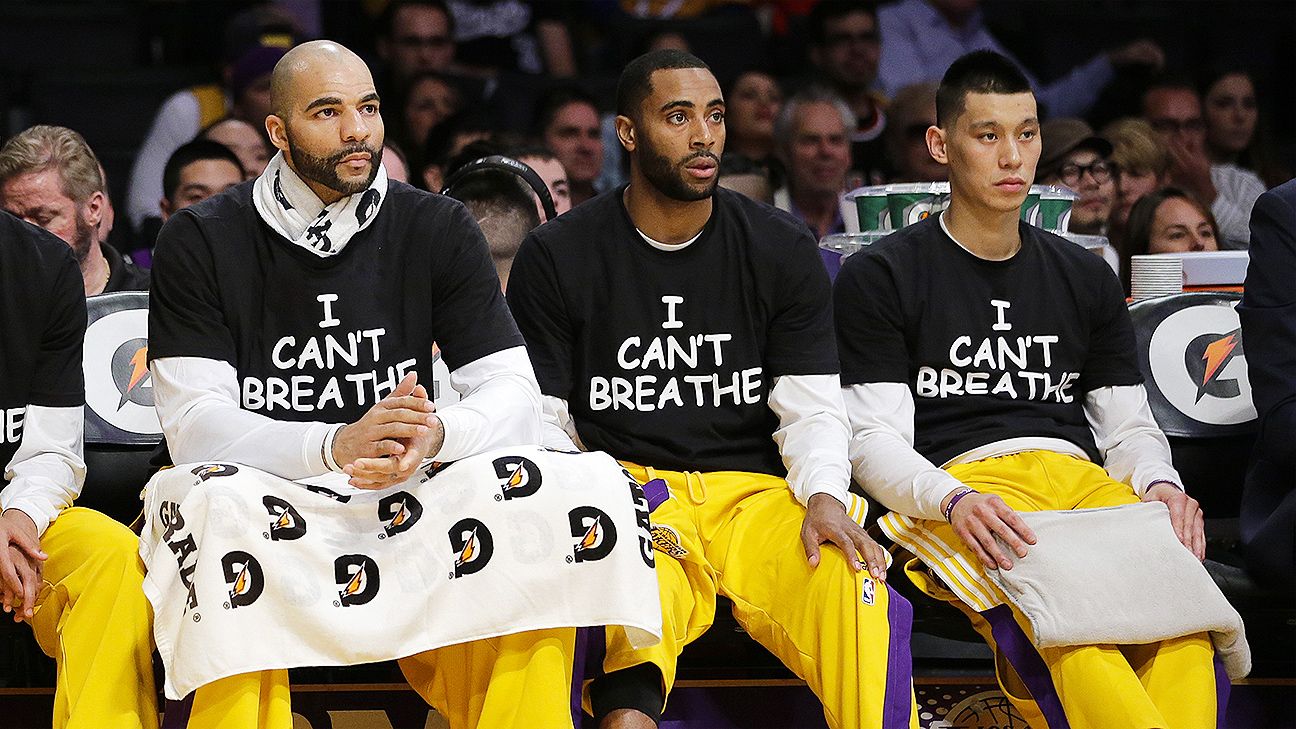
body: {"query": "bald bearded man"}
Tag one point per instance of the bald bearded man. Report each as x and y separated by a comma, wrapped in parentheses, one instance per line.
(322, 247)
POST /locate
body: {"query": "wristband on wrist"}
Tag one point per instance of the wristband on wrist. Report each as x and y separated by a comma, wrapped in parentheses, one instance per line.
(327, 451)
(949, 508)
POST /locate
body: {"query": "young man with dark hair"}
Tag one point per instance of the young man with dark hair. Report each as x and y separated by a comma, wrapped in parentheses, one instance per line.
(504, 208)
(567, 121)
(844, 47)
(195, 172)
(687, 331)
(1005, 355)
(416, 36)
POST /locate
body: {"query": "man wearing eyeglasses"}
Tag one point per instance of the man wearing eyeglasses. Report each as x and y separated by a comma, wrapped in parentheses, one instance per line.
(1073, 156)
(844, 49)
(1174, 110)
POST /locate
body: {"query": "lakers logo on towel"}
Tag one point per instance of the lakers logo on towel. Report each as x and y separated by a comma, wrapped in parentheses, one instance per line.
(357, 575)
(400, 511)
(473, 546)
(244, 577)
(286, 523)
(521, 477)
(214, 470)
(595, 532)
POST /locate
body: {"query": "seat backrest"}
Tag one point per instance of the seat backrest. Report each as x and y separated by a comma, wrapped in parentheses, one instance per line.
(119, 390)
(1192, 356)
(121, 425)
(1193, 362)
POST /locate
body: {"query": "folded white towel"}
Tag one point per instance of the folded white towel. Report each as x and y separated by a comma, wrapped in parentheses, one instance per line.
(1119, 575)
(248, 572)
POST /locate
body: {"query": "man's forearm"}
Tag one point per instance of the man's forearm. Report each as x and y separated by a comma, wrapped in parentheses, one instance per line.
(812, 435)
(500, 406)
(198, 406)
(48, 469)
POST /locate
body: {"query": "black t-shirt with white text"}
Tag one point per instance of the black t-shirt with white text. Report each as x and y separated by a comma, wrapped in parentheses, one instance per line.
(324, 339)
(666, 358)
(42, 326)
(990, 350)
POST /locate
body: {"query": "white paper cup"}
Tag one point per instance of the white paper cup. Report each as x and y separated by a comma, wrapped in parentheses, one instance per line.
(1154, 275)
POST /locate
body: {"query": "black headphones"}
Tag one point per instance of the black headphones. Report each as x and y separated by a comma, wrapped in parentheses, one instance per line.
(506, 164)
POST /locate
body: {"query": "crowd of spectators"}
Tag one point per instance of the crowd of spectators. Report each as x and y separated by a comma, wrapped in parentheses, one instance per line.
(822, 97)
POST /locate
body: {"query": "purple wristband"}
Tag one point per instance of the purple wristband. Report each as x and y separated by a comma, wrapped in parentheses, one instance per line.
(949, 508)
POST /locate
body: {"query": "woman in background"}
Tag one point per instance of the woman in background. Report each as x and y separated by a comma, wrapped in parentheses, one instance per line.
(1234, 132)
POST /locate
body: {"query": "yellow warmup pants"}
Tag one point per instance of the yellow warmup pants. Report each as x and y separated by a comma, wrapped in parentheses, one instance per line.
(1173, 684)
(512, 682)
(92, 618)
(739, 535)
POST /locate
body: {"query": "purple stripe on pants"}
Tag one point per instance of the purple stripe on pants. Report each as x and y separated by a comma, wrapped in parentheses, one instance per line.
(1021, 653)
(899, 687)
(1222, 688)
(176, 713)
(587, 662)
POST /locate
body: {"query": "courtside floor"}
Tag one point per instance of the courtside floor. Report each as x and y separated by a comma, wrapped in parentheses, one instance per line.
(961, 702)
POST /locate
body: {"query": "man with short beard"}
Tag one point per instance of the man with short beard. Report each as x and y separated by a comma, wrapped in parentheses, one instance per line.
(50, 178)
(687, 331)
(323, 245)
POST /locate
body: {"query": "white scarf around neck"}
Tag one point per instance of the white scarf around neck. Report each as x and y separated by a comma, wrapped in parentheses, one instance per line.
(294, 211)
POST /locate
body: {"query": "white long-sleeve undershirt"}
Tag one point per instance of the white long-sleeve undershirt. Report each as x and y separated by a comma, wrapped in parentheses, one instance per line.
(198, 404)
(884, 461)
(811, 437)
(48, 470)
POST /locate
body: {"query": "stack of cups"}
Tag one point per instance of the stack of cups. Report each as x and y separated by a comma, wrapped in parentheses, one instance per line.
(1154, 275)
(865, 209)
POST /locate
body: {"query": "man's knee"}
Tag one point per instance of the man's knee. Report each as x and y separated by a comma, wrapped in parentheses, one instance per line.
(85, 537)
(635, 689)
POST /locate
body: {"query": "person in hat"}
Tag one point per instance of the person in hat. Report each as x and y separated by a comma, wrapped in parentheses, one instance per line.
(255, 40)
(1074, 156)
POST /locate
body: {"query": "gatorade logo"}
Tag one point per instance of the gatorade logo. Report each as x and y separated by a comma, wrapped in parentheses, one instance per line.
(244, 578)
(131, 374)
(214, 470)
(400, 511)
(594, 531)
(357, 575)
(472, 545)
(1207, 357)
(922, 209)
(286, 523)
(1198, 364)
(519, 477)
(119, 388)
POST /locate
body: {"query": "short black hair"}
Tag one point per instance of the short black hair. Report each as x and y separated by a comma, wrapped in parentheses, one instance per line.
(553, 100)
(388, 16)
(826, 11)
(538, 151)
(636, 80)
(187, 154)
(978, 72)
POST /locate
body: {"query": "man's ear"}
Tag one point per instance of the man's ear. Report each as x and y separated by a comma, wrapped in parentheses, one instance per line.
(94, 208)
(936, 144)
(625, 132)
(277, 130)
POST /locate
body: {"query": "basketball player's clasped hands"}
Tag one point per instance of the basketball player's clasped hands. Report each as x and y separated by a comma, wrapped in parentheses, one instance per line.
(387, 445)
